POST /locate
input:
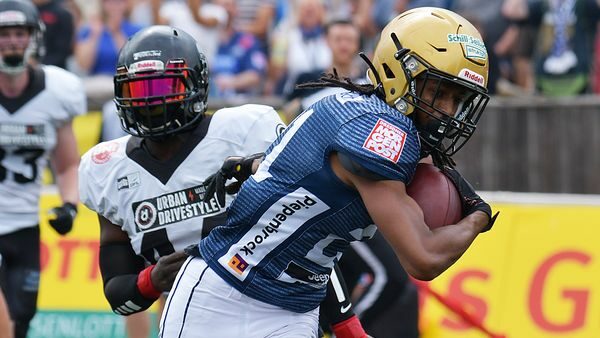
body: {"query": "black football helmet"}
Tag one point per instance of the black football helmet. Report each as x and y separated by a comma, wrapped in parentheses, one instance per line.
(161, 83)
(19, 13)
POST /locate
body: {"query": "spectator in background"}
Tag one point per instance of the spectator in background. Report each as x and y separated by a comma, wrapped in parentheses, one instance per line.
(99, 41)
(493, 27)
(256, 17)
(38, 103)
(343, 39)
(298, 47)
(563, 53)
(60, 29)
(241, 64)
(203, 20)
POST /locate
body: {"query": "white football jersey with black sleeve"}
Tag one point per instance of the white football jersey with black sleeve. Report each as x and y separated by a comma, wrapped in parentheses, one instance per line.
(28, 129)
(160, 205)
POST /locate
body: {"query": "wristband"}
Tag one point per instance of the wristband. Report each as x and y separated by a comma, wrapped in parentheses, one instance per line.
(349, 328)
(144, 284)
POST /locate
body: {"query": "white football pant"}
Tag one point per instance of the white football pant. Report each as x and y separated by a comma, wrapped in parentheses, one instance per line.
(201, 304)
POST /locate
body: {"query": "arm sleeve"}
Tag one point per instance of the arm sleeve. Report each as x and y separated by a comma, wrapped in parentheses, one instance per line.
(120, 267)
(336, 307)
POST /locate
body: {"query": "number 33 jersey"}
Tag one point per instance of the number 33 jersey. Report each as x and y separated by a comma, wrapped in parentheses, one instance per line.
(159, 204)
(28, 135)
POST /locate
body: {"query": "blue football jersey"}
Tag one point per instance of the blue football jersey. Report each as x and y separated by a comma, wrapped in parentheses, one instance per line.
(292, 220)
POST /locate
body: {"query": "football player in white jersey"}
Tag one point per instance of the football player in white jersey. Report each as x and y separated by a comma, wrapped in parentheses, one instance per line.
(337, 174)
(147, 188)
(37, 105)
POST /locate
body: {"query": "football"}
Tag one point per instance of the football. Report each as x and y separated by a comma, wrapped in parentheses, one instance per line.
(436, 195)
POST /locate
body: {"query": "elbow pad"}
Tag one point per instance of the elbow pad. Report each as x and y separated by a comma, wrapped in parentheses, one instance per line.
(120, 267)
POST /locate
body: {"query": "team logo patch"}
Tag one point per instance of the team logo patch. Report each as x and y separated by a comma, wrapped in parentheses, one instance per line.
(386, 140)
(104, 151)
(238, 264)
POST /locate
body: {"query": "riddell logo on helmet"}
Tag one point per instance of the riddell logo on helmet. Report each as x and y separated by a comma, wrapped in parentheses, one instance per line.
(471, 76)
(386, 140)
(12, 17)
(146, 66)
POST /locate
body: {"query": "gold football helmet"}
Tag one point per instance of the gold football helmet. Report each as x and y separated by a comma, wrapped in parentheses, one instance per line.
(428, 48)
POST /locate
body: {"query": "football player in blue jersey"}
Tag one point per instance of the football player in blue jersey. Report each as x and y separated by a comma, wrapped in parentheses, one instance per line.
(341, 167)
(146, 187)
(37, 106)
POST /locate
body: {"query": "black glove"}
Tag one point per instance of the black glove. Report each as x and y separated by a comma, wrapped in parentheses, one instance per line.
(236, 167)
(61, 218)
(471, 202)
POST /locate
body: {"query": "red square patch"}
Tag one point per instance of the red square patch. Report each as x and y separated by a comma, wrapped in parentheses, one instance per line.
(386, 140)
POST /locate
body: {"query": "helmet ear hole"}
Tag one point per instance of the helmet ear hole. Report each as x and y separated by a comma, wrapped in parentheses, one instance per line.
(388, 71)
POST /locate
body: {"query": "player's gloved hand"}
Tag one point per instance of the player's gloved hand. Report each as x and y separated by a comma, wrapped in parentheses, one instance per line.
(61, 218)
(236, 167)
(470, 200)
(165, 270)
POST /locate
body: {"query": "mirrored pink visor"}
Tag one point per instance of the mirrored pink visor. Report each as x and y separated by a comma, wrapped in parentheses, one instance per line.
(171, 88)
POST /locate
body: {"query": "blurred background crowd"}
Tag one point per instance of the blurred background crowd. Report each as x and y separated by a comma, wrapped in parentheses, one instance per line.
(262, 48)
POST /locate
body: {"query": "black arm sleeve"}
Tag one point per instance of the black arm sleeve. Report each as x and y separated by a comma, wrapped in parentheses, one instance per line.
(119, 267)
(336, 307)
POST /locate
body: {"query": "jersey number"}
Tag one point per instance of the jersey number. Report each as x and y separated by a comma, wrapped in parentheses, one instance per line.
(30, 157)
(156, 242)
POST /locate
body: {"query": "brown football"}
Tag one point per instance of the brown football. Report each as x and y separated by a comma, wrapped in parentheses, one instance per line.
(436, 195)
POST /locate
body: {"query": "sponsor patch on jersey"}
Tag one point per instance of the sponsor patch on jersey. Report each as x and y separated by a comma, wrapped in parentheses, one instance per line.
(472, 76)
(304, 275)
(103, 152)
(173, 207)
(128, 181)
(284, 218)
(386, 140)
(26, 135)
(238, 264)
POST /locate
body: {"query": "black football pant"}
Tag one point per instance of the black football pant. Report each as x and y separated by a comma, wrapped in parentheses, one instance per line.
(20, 275)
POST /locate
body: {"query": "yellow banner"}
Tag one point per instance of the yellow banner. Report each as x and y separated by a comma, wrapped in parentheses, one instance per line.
(533, 275)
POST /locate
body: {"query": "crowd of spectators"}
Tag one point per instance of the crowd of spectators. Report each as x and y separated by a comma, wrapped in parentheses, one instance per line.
(261, 48)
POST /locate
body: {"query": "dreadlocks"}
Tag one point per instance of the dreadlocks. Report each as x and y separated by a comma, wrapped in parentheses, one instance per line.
(334, 80)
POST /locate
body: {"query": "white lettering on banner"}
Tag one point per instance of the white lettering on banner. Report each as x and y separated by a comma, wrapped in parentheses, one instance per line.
(277, 224)
(386, 140)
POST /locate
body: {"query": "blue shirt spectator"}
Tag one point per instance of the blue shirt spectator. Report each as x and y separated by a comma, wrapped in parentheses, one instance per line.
(106, 50)
(240, 64)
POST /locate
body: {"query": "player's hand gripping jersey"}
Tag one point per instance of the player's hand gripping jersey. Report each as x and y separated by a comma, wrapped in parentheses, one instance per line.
(28, 136)
(262, 250)
(160, 205)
